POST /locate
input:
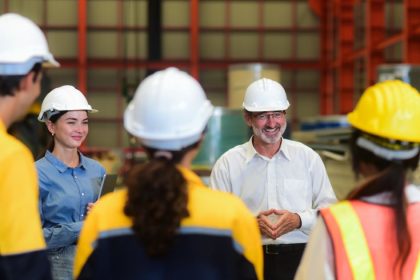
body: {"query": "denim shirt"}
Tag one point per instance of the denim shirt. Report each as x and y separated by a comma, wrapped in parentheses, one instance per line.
(64, 195)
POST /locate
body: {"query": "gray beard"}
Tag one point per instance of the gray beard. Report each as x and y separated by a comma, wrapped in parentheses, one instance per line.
(269, 140)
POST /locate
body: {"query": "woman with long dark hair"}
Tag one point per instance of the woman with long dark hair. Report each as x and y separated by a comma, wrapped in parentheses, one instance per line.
(167, 224)
(375, 233)
(69, 182)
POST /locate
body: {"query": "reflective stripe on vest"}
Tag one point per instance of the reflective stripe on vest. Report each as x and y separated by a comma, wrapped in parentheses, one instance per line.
(416, 275)
(355, 244)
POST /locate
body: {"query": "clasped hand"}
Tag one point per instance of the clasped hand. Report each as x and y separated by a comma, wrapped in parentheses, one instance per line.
(274, 223)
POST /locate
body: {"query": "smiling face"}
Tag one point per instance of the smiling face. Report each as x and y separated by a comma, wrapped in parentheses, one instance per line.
(268, 127)
(70, 130)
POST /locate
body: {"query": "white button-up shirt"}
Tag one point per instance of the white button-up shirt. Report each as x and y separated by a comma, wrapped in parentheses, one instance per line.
(295, 179)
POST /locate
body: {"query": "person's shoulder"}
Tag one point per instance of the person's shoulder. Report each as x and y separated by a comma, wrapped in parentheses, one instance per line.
(12, 147)
(11, 144)
(223, 200)
(234, 153)
(215, 209)
(237, 149)
(298, 146)
(113, 199)
(110, 209)
(40, 161)
(91, 162)
(44, 165)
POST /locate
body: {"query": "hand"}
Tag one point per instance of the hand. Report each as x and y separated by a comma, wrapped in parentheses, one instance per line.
(286, 222)
(265, 223)
(89, 207)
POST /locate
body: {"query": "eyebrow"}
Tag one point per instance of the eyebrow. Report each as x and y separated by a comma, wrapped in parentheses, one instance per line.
(75, 119)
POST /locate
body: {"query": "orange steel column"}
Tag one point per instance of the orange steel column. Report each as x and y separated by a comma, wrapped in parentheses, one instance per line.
(6, 6)
(82, 57)
(345, 69)
(194, 40)
(260, 30)
(411, 28)
(327, 39)
(226, 31)
(375, 33)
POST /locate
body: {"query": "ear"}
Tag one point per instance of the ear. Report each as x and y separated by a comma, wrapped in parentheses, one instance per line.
(200, 141)
(26, 81)
(50, 126)
(248, 118)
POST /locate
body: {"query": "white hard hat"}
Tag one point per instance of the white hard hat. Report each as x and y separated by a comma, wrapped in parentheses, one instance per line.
(64, 98)
(265, 95)
(169, 110)
(22, 44)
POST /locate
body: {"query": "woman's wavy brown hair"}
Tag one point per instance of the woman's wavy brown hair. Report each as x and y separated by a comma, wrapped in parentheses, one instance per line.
(391, 178)
(157, 200)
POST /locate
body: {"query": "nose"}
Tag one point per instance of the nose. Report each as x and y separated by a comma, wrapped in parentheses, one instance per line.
(271, 121)
(81, 128)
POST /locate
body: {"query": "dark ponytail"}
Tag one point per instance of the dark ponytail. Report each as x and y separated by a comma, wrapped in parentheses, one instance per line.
(50, 144)
(157, 199)
(391, 178)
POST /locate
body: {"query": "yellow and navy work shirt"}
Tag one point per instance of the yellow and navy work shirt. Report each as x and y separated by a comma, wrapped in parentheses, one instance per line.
(22, 245)
(219, 240)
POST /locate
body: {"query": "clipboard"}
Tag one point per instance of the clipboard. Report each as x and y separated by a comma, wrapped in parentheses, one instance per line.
(109, 182)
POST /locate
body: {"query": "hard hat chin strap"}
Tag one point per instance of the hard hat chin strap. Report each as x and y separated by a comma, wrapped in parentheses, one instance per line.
(48, 114)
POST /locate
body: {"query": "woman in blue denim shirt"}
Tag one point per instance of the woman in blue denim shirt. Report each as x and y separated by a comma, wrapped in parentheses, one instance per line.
(69, 182)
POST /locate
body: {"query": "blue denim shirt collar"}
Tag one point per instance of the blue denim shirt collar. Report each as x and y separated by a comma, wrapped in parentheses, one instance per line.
(61, 166)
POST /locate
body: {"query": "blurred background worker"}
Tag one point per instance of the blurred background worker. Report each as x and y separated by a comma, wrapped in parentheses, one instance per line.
(375, 234)
(23, 50)
(168, 225)
(69, 182)
(282, 182)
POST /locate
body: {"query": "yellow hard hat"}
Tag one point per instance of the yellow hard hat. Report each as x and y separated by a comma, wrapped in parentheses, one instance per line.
(389, 109)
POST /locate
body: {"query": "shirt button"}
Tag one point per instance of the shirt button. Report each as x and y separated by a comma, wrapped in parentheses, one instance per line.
(83, 193)
(81, 215)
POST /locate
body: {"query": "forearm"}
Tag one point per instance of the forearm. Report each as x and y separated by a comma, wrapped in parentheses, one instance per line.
(62, 235)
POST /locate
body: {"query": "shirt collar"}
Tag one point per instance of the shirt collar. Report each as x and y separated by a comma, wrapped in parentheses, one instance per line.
(250, 151)
(61, 166)
(285, 149)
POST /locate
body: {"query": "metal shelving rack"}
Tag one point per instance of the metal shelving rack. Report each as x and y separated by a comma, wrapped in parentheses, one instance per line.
(340, 55)
(339, 63)
(82, 63)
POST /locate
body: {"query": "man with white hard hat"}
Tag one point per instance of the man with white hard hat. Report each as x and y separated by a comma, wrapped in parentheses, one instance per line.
(283, 182)
(23, 53)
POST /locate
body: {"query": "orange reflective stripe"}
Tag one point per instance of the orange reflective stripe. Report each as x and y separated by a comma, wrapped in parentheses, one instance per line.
(354, 240)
